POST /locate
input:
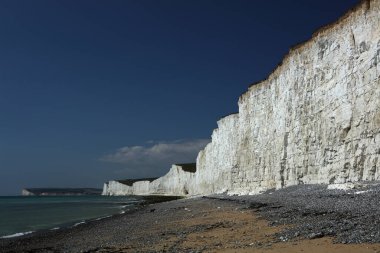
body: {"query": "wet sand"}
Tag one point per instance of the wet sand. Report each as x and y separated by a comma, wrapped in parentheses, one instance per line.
(187, 225)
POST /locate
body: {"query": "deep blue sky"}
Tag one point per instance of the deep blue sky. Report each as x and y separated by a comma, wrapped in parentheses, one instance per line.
(84, 82)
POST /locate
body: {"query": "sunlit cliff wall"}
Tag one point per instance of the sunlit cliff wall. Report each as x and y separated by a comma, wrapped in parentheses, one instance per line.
(315, 119)
(175, 182)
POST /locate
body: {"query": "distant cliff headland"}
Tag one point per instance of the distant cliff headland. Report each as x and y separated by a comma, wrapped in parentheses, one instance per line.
(314, 120)
(60, 191)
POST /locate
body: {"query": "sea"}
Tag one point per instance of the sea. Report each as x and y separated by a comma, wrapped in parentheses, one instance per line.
(22, 215)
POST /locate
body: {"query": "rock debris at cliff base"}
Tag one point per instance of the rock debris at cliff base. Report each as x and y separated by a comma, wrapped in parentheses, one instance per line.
(350, 216)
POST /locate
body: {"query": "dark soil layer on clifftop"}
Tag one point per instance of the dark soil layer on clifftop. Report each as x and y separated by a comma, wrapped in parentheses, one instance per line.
(296, 219)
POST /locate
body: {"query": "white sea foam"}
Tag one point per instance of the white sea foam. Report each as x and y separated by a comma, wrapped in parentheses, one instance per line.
(101, 218)
(79, 223)
(16, 235)
(55, 228)
(124, 206)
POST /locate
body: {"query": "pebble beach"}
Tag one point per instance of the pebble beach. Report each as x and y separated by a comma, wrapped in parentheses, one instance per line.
(306, 218)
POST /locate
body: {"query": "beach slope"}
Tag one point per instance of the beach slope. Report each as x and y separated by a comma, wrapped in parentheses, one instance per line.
(290, 220)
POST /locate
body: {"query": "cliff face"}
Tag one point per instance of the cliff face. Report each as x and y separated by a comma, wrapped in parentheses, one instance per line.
(175, 182)
(217, 162)
(26, 192)
(316, 119)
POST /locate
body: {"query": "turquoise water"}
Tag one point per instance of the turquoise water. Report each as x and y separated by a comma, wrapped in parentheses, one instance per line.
(20, 215)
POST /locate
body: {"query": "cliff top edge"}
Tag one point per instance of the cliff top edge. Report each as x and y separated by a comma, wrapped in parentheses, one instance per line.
(362, 5)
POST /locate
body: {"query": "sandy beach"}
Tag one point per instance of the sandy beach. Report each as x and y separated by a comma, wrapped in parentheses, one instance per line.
(203, 224)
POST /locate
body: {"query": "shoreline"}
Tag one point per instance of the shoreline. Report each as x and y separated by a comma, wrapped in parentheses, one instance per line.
(270, 222)
(144, 200)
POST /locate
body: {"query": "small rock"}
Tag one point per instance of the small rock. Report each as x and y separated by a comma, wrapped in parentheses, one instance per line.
(316, 235)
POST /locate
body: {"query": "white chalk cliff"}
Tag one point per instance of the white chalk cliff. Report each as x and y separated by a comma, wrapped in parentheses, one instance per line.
(314, 120)
(175, 182)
